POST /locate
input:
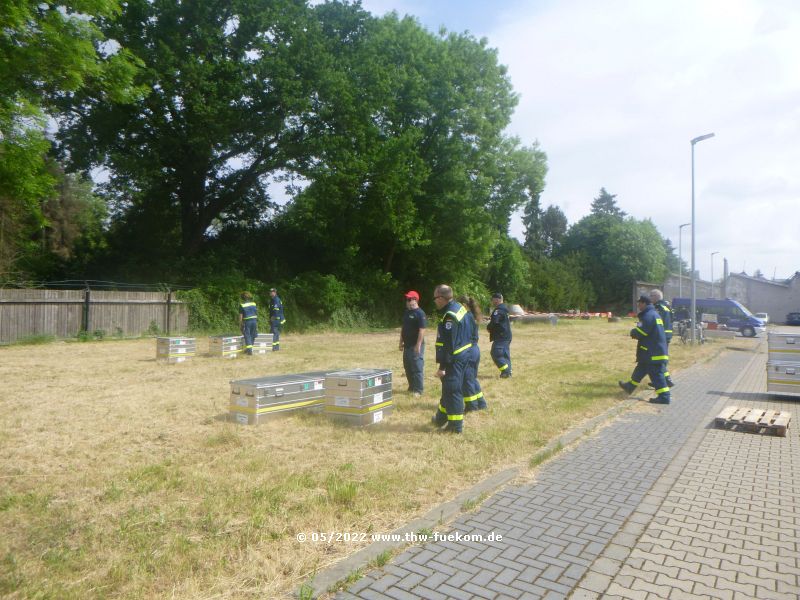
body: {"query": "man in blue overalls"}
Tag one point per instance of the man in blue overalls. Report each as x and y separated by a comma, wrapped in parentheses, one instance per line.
(500, 335)
(453, 344)
(665, 311)
(276, 319)
(248, 321)
(651, 352)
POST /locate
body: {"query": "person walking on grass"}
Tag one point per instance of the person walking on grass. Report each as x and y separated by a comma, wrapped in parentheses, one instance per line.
(412, 343)
(499, 328)
(651, 352)
(453, 344)
(276, 319)
(473, 394)
(248, 321)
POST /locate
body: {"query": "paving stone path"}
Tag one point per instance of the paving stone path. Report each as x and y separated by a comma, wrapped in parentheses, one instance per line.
(624, 514)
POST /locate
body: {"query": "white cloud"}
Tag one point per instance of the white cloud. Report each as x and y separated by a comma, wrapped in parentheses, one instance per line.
(614, 90)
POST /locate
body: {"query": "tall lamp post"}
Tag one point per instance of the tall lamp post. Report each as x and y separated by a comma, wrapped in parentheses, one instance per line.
(694, 268)
(680, 259)
(712, 273)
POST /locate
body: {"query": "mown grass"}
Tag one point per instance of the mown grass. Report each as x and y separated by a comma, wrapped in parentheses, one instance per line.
(122, 479)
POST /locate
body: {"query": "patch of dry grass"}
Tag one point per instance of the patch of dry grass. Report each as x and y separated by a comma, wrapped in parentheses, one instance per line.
(121, 477)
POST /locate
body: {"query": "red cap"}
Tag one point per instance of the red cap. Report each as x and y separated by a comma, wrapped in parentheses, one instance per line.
(413, 294)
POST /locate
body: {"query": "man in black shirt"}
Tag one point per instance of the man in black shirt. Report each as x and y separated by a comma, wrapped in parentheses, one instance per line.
(412, 343)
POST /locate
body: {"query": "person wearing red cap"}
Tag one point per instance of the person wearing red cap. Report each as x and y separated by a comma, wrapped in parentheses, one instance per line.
(412, 343)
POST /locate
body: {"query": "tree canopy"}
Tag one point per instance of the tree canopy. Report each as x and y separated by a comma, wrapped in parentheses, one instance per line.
(315, 146)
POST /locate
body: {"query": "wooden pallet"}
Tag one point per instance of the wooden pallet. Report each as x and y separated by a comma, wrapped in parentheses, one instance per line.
(754, 419)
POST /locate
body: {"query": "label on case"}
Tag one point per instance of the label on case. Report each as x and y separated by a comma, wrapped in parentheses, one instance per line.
(341, 401)
(241, 418)
(378, 416)
(377, 398)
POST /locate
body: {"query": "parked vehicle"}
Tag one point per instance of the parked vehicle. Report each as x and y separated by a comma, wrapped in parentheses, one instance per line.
(730, 313)
(793, 318)
(763, 316)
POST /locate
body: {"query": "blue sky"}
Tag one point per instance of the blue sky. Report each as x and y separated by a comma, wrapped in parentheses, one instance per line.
(614, 90)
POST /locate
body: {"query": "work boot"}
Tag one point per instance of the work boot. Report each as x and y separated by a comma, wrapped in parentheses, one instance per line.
(660, 399)
(670, 383)
(439, 420)
(627, 386)
(456, 427)
(505, 375)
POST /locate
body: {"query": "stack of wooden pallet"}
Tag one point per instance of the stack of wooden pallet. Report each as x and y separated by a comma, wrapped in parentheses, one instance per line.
(754, 419)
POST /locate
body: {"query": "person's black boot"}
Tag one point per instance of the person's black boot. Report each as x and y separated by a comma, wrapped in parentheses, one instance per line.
(627, 386)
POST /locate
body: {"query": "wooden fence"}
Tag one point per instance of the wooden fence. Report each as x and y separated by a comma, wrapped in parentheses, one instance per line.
(65, 313)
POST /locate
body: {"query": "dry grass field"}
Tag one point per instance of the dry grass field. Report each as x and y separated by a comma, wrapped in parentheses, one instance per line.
(120, 477)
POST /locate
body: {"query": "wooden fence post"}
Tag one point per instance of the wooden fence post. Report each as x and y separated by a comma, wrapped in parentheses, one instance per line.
(87, 294)
(169, 308)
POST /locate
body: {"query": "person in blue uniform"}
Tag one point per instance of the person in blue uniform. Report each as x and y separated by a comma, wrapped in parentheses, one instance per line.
(276, 319)
(412, 343)
(453, 344)
(651, 352)
(665, 311)
(473, 394)
(500, 335)
(248, 321)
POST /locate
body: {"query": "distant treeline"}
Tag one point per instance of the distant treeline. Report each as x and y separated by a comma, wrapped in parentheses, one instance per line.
(340, 157)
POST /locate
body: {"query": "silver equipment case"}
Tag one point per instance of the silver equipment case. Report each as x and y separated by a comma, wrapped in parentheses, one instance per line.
(175, 349)
(254, 401)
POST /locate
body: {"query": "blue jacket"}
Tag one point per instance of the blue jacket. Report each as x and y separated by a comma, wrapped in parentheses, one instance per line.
(663, 308)
(499, 325)
(276, 310)
(649, 331)
(248, 310)
(454, 334)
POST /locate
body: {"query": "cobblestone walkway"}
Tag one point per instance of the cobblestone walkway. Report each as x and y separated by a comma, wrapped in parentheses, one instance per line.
(576, 528)
(730, 526)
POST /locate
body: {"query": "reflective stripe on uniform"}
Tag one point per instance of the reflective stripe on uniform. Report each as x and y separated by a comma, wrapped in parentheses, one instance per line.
(460, 350)
(662, 390)
(503, 368)
(640, 330)
(473, 398)
(659, 358)
(455, 417)
(459, 314)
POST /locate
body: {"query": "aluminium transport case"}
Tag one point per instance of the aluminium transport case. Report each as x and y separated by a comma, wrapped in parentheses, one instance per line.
(359, 397)
(228, 345)
(783, 347)
(783, 377)
(262, 344)
(175, 349)
(257, 400)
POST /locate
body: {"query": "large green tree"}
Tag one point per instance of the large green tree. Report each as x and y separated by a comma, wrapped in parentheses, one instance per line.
(233, 93)
(415, 176)
(614, 251)
(47, 49)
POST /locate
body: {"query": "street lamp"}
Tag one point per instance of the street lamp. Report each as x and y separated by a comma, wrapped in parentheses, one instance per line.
(694, 268)
(680, 259)
(712, 273)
